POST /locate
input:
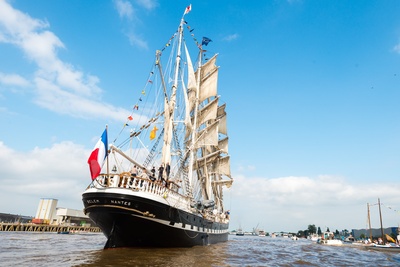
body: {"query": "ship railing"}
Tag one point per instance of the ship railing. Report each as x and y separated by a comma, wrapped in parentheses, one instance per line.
(137, 184)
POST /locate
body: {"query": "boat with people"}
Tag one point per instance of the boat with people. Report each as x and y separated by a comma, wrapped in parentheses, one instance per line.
(385, 242)
(328, 238)
(349, 239)
(162, 185)
(313, 237)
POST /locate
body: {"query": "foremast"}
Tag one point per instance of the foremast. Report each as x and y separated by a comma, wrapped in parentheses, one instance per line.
(169, 110)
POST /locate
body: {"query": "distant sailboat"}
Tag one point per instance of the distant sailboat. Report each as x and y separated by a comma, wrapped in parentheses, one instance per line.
(385, 239)
(240, 232)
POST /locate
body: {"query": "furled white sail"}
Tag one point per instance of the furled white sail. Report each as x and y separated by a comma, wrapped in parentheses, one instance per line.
(210, 158)
(208, 136)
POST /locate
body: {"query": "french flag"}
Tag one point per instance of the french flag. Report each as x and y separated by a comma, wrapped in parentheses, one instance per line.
(98, 155)
(188, 9)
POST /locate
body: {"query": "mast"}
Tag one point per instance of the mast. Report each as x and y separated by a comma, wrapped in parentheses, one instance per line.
(380, 216)
(193, 134)
(369, 223)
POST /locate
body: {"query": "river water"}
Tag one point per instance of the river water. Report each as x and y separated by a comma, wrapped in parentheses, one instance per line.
(52, 249)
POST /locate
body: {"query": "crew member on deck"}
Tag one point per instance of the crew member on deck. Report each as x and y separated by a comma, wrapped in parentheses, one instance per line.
(167, 170)
(153, 174)
(144, 175)
(134, 171)
(160, 173)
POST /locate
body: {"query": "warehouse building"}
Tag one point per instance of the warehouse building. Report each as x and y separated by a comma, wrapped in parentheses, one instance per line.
(49, 213)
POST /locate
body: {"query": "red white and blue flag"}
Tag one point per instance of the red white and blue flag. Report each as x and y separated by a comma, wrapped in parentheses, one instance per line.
(98, 155)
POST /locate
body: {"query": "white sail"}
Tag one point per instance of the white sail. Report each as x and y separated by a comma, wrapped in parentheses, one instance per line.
(224, 167)
(208, 136)
(208, 86)
(221, 115)
(209, 67)
(190, 93)
(223, 145)
(209, 79)
(208, 112)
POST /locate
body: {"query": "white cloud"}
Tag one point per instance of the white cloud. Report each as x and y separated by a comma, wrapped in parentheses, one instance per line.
(60, 87)
(231, 37)
(15, 23)
(137, 41)
(292, 203)
(13, 79)
(52, 97)
(58, 172)
(148, 4)
(124, 9)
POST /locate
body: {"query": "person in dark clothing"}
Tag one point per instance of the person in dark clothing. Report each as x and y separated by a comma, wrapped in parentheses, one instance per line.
(167, 170)
(153, 174)
(160, 172)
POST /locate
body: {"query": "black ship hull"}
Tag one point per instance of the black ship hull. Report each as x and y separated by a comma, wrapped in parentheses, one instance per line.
(136, 221)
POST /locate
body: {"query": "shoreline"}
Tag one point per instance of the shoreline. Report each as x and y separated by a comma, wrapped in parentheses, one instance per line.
(31, 227)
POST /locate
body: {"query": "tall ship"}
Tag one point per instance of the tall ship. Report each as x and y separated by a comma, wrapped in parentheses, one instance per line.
(162, 184)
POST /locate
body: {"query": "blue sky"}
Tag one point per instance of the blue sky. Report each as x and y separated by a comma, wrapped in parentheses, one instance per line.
(312, 92)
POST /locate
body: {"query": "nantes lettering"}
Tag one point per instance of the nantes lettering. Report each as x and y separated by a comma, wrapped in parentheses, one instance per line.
(120, 202)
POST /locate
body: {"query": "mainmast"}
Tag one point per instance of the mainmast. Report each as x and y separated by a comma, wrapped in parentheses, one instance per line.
(380, 217)
(169, 106)
(369, 223)
(193, 135)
